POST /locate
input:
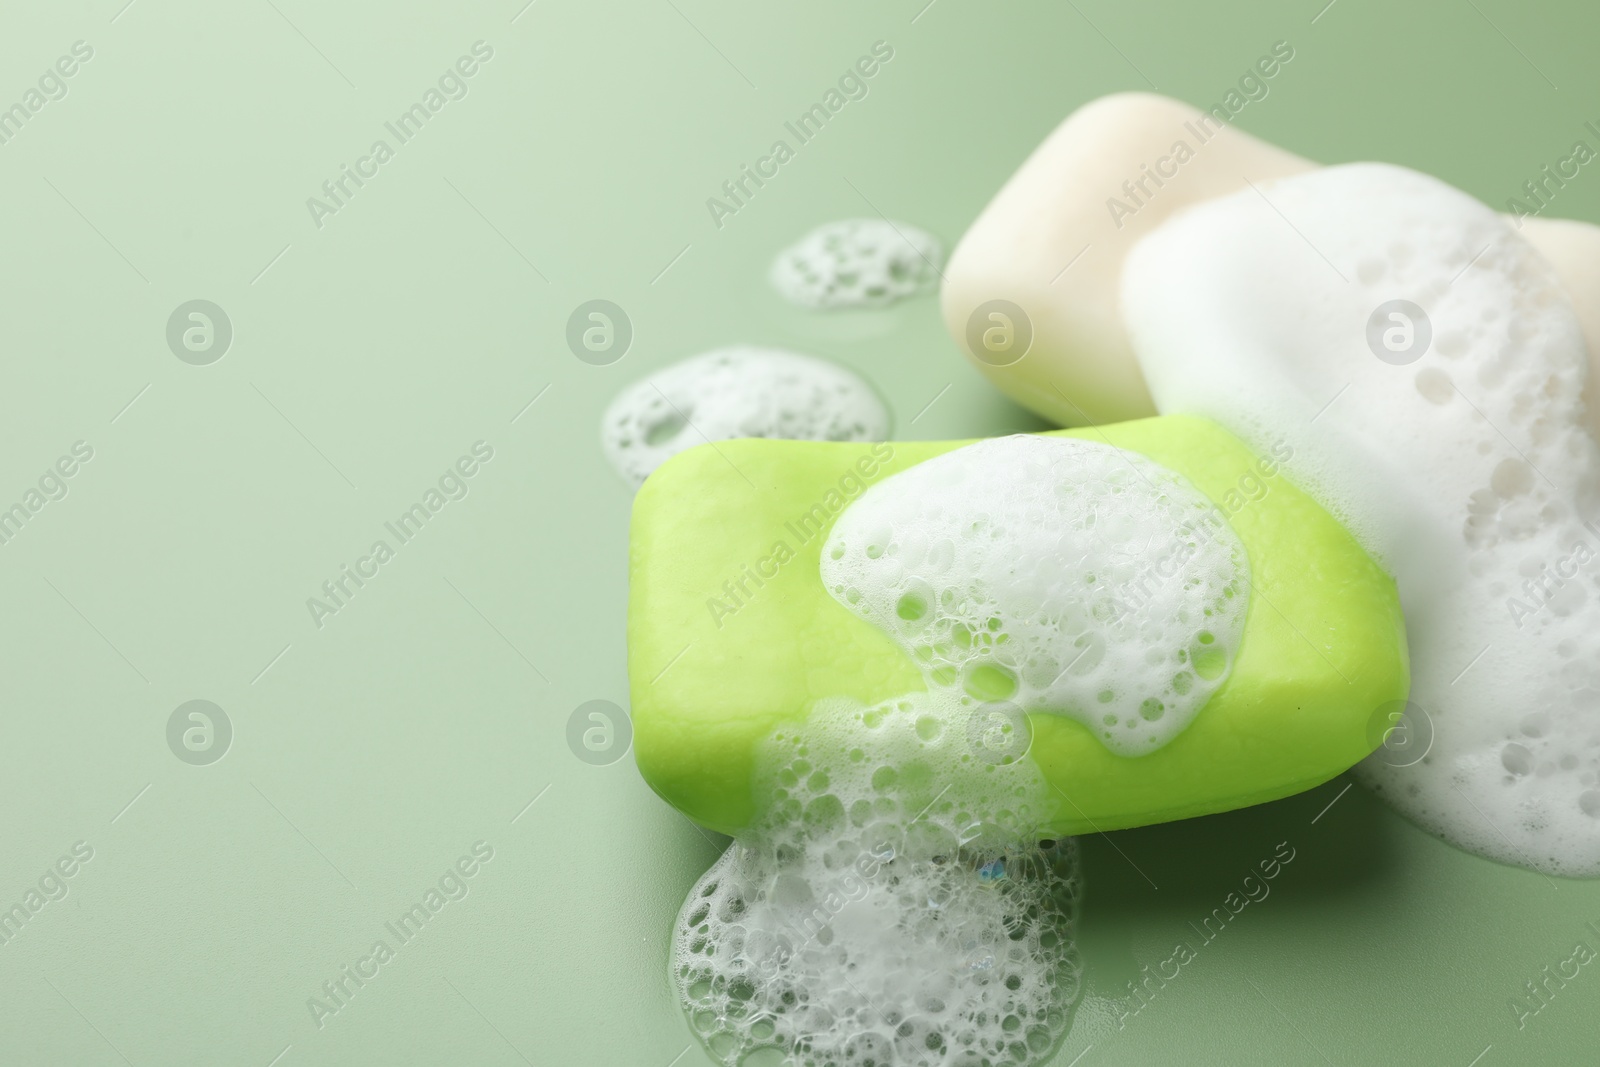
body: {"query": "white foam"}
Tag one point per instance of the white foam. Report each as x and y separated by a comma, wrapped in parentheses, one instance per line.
(1466, 472)
(1064, 575)
(891, 906)
(892, 902)
(739, 391)
(857, 263)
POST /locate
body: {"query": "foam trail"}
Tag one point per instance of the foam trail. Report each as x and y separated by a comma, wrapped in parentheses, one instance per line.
(891, 908)
(893, 903)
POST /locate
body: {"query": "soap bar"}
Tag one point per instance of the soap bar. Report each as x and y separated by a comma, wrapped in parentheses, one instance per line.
(731, 632)
(1052, 242)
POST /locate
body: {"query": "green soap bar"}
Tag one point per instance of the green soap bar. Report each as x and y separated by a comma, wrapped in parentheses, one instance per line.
(731, 632)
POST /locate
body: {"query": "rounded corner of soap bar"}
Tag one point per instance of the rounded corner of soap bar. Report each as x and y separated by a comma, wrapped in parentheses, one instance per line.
(1047, 250)
(1237, 753)
(681, 467)
(724, 810)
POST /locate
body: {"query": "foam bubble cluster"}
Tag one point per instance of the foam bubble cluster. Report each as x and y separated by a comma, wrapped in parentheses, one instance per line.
(892, 903)
(740, 391)
(1450, 440)
(857, 263)
(1062, 575)
(891, 906)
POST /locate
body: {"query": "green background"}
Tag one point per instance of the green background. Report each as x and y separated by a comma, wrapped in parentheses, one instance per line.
(369, 754)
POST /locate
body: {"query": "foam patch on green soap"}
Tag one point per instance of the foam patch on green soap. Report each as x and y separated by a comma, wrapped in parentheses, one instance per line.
(1064, 576)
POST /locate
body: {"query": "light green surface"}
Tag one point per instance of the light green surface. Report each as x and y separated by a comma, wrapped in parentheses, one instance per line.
(376, 350)
(1321, 662)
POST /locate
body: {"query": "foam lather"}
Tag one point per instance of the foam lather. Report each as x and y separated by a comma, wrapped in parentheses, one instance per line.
(734, 634)
(1060, 574)
(884, 909)
(857, 263)
(738, 391)
(1449, 436)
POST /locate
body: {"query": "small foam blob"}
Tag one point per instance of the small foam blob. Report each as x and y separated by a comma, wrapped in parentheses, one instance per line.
(1461, 464)
(891, 905)
(1064, 575)
(739, 391)
(857, 263)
